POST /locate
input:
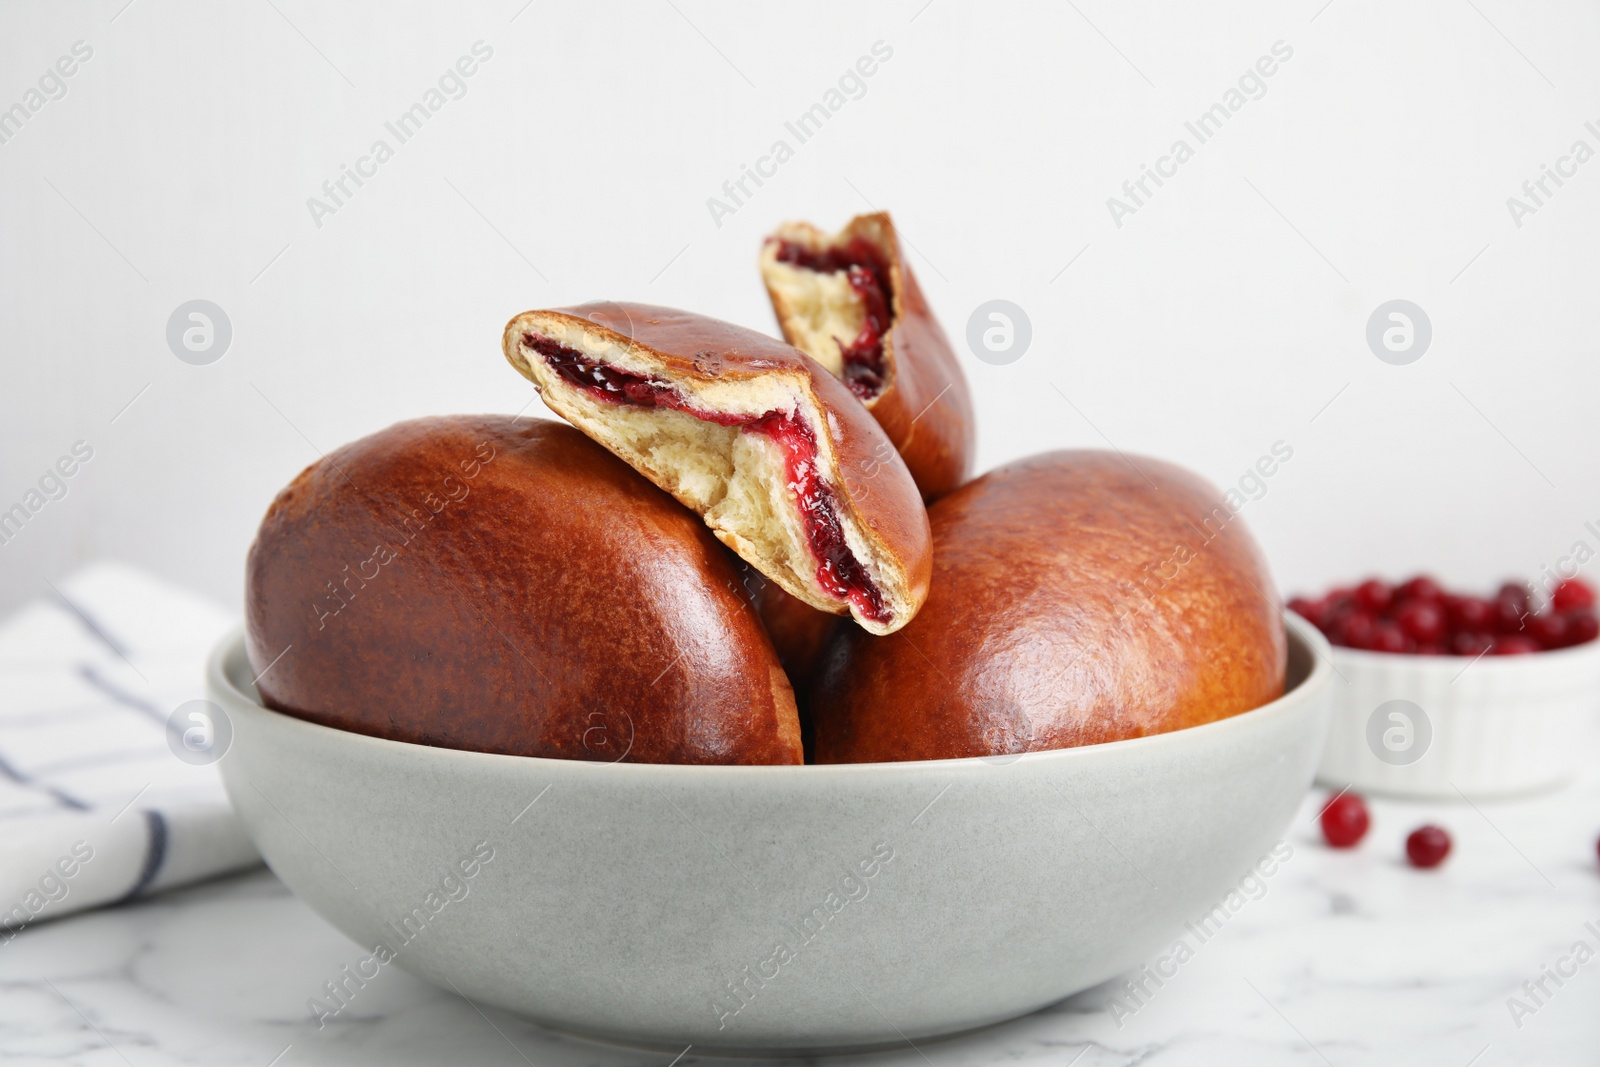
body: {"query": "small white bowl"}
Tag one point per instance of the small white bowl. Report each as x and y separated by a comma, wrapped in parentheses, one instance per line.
(765, 908)
(1447, 727)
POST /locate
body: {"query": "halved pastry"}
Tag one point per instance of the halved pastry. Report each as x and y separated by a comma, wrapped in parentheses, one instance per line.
(772, 451)
(850, 301)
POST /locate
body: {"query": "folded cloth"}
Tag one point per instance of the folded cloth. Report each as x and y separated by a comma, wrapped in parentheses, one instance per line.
(96, 807)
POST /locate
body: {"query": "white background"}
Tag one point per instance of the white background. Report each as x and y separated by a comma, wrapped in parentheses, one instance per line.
(1224, 316)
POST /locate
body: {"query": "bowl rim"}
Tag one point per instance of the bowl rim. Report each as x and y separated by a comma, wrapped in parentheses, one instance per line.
(1298, 632)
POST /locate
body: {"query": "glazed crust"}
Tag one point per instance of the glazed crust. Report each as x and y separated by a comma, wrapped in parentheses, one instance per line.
(871, 482)
(799, 632)
(925, 405)
(1078, 597)
(506, 585)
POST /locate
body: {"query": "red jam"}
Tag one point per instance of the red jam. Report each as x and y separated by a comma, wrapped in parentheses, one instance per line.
(868, 275)
(609, 383)
(838, 570)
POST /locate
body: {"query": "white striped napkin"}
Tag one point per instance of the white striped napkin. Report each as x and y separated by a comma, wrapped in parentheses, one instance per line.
(95, 808)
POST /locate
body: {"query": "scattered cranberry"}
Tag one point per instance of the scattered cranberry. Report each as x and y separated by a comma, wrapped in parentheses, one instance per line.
(1345, 820)
(1582, 627)
(1427, 846)
(1572, 594)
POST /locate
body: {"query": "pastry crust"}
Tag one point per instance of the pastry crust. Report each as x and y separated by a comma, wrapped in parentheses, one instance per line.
(507, 585)
(923, 403)
(719, 416)
(1078, 597)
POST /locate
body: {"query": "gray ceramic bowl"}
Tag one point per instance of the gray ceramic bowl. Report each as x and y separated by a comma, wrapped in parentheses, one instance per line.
(767, 908)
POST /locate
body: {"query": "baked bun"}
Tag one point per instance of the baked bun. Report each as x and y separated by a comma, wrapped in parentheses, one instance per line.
(506, 585)
(799, 633)
(766, 446)
(1077, 598)
(850, 302)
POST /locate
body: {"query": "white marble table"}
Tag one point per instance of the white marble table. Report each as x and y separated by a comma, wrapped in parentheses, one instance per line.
(1345, 958)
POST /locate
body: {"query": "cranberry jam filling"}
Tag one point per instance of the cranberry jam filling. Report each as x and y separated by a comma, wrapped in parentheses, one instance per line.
(869, 277)
(838, 570)
(608, 382)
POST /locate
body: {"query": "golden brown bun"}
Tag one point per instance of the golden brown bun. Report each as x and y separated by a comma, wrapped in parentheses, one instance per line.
(506, 585)
(924, 404)
(1077, 598)
(700, 391)
(799, 632)
(801, 636)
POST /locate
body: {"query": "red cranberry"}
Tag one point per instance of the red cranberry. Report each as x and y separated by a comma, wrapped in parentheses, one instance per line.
(1427, 846)
(1387, 637)
(1572, 593)
(1470, 613)
(1374, 595)
(1422, 620)
(1582, 627)
(1510, 613)
(1419, 616)
(1313, 611)
(1419, 588)
(1515, 592)
(1355, 630)
(1337, 609)
(1550, 631)
(1345, 820)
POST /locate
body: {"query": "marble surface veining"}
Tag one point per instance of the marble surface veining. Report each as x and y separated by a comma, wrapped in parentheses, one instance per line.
(1340, 958)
